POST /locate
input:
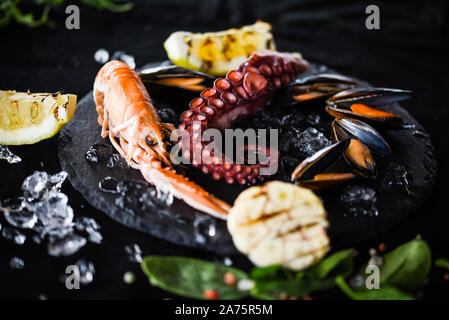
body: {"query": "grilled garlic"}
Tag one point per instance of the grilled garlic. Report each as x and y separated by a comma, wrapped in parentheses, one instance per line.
(279, 223)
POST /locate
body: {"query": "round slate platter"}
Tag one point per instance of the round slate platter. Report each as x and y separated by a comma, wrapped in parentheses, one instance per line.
(404, 181)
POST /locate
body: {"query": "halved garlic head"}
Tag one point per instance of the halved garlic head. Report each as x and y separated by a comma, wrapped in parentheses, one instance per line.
(279, 223)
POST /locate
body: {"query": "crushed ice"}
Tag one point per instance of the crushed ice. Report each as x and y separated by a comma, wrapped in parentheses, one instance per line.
(360, 201)
(6, 154)
(311, 141)
(44, 209)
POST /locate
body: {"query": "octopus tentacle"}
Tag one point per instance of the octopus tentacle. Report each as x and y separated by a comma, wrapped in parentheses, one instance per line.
(241, 93)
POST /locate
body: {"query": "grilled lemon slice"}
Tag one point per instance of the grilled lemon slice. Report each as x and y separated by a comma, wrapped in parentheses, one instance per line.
(218, 52)
(279, 223)
(27, 118)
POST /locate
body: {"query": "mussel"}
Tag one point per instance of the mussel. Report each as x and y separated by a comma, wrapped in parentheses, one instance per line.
(312, 89)
(309, 173)
(359, 103)
(175, 76)
(359, 157)
(343, 129)
(318, 86)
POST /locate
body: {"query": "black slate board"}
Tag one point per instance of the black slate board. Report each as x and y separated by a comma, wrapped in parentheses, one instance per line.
(412, 150)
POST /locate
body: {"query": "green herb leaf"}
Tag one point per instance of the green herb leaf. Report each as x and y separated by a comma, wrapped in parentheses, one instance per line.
(384, 293)
(10, 10)
(275, 289)
(110, 5)
(341, 261)
(260, 273)
(407, 266)
(190, 277)
(274, 282)
(442, 263)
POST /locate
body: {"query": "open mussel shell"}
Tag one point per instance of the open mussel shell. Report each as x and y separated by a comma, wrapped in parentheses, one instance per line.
(175, 76)
(360, 103)
(309, 173)
(370, 96)
(359, 157)
(318, 86)
(326, 180)
(343, 129)
(365, 113)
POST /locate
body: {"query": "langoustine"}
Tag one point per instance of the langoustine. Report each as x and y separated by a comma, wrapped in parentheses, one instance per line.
(240, 93)
(126, 112)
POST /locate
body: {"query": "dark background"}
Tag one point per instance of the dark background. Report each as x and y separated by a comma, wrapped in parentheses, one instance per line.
(410, 51)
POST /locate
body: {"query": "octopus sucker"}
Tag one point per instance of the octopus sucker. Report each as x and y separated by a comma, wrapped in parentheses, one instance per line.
(241, 93)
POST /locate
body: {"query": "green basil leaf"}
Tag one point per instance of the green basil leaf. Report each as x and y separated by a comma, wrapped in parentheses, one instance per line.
(384, 293)
(259, 273)
(442, 263)
(407, 266)
(333, 262)
(274, 289)
(274, 281)
(190, 277)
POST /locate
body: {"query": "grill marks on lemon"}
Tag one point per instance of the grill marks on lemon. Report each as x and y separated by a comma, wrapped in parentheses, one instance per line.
(27, 118)
(279, 223)
(218, 52)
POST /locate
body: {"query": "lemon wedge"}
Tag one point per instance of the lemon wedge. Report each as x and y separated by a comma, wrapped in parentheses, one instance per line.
(217, 53)
(27, 118)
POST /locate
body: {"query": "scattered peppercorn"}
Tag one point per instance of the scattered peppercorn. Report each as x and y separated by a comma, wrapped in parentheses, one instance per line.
(229, 279)
(382, 247)
(210, 294)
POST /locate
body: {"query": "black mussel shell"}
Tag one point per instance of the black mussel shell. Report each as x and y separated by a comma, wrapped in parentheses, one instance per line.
(175, 76)
(318, 87)
(343, 129)
(320, 161)
(372, 97)
(326, 180)
(365, 113)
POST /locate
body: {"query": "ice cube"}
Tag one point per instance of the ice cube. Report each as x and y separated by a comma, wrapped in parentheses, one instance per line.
(134, 253)
(12, 204)
(35, 186)
(54, 211)
(83, 222)
(101, 56)
(87, 271)
(37, 239)
(57, 180)
(21, 219)
(66, 246)
(16, 263)
(204, 228)
(313, 118)
(227, 261)
(94, 235)
(6, 154)
(123, 56)
(13, 235)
